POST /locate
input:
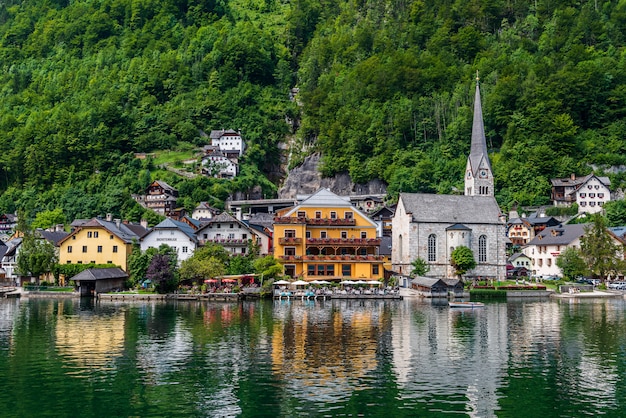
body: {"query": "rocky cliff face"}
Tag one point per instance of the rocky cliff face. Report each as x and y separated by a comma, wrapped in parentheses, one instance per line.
(306, 179)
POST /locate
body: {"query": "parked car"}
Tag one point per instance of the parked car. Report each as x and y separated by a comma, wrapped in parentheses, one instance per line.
(551, 278)
(617, 285)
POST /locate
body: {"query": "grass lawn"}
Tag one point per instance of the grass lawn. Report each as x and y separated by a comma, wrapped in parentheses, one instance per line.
(184, 151)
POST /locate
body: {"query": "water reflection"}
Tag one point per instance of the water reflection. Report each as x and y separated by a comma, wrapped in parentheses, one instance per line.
(290, 358)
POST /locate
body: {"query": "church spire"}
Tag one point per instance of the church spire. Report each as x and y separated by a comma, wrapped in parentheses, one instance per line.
(478, 176)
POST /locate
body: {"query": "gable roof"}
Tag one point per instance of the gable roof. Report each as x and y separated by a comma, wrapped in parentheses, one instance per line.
(53, 236)
(324, 198)
(559, 235)
(94, 274)
(440, 208)
(516, 256)
(169, 223)
(576, 182)
(123, 232)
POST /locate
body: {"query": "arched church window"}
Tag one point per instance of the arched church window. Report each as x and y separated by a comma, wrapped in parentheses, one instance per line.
(400, 247)
(482, 249)
(432, 247)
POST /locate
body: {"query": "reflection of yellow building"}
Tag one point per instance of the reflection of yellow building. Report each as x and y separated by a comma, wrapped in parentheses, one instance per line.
(327, 354)
(92, 342)
(325, 237)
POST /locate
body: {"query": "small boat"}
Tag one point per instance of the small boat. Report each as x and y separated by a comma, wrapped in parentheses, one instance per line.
(466, 304)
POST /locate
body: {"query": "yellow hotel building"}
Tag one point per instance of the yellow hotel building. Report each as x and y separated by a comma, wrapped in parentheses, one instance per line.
(326, 238)
(100, 242)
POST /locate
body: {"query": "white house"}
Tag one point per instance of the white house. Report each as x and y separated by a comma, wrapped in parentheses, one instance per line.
(228, 141)
(204, 211)
(216, 164)
(590, 192)
(232, 234)
(177, 235)
(548, 245)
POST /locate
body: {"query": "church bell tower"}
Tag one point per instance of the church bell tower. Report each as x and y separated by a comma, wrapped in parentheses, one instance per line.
(478, 174)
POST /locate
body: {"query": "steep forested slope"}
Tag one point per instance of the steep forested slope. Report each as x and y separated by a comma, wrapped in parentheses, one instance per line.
(385, 91)
(387, 88)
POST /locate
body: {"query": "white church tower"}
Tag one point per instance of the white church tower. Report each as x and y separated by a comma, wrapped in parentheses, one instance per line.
(478, 174)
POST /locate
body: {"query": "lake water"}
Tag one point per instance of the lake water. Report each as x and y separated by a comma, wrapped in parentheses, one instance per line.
(539, 358)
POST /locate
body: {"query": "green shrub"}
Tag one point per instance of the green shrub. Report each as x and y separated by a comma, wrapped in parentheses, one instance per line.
(488, 293)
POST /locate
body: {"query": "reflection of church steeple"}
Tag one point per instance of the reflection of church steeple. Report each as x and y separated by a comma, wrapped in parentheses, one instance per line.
(478, 174)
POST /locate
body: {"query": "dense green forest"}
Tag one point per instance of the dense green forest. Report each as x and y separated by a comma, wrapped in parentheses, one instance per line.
(385, 91)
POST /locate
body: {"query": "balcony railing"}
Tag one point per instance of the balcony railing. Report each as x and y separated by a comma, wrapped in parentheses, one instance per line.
(289, 240)
(314, 221)
(332, 257)
(226, 241)
(345, 242)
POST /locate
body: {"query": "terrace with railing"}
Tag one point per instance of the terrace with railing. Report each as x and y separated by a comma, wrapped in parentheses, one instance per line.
(231, 242)
(315, 221)
(345, 242)
(332, 257)
(289, 240)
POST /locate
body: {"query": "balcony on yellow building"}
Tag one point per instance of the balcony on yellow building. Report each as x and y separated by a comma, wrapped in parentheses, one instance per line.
(289, 240)
(291, 220)
(344, 242)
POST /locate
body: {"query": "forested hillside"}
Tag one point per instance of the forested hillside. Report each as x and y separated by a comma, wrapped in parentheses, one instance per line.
(386, 90)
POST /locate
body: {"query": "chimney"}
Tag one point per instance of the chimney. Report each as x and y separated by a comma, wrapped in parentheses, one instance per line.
(109, 217)
(118, 223)
(59, 228)
(144, 223)
(572, 176)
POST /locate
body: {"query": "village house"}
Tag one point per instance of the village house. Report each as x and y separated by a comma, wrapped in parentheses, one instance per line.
(228, 141)
(518, 264)
(548, 245)
(326, 237)
(204, 212)
(100, 241)
(8, 222)
(159, 197)
(522, 230)
(590, 192)
(216, 164)
(232, 234)
(177, 235)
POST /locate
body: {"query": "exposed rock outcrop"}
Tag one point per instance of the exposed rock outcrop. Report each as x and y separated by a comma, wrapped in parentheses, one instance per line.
(306, 179)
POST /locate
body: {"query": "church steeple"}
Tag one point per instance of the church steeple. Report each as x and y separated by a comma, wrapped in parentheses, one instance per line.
(478, 174)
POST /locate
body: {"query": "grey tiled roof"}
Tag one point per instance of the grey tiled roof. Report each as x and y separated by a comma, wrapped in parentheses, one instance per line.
(559, 235)
(452, 209)
(169, 223)
(100, 274)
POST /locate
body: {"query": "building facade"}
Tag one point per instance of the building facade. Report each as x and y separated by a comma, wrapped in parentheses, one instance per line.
(431, 227)
(590, 192)
(99, 242)
(178, 235)
(232, 234)
(326, 237)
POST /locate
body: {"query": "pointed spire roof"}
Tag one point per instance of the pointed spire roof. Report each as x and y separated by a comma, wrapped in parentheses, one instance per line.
(478, 150)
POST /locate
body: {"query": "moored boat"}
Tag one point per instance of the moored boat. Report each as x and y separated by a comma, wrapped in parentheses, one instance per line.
(466, 304)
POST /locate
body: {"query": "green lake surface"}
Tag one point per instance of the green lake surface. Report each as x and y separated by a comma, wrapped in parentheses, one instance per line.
(343, 358)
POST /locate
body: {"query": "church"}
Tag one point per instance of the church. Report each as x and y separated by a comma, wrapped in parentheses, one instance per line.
(431, 226)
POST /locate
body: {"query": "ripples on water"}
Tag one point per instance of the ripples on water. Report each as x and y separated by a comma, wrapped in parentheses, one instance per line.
(326, 358)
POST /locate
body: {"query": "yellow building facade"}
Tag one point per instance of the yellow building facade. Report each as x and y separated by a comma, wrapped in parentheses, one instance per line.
(326, 238)
(98, 242)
